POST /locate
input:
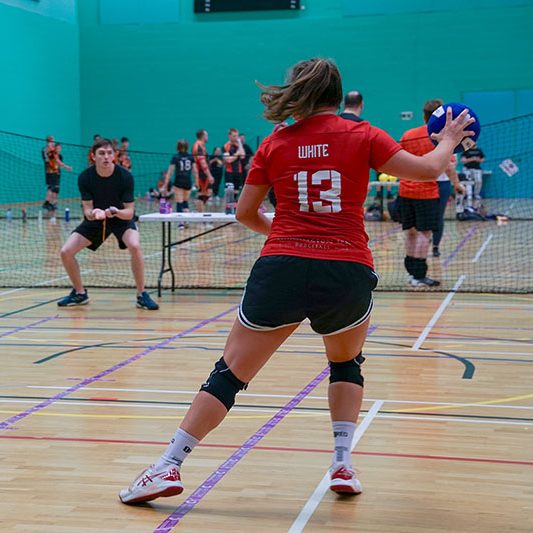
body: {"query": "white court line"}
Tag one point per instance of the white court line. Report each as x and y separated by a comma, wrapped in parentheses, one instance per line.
(438, 313)
(57, 279)
(482, 248)
(283, 396)
(315, 499)
(13, 290)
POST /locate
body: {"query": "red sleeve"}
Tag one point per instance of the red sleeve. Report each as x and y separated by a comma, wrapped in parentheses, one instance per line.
(382, 147)
(258, 173)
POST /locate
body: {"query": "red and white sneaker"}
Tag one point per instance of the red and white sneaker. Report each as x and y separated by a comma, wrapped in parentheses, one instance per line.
(151, 485)
(344, 481)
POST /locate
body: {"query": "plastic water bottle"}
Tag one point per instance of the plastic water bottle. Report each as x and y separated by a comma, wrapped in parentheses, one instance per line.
(9, 215)
(67, 214)
(229, 198)
(40, 217)
(162, 205)
(168, 208)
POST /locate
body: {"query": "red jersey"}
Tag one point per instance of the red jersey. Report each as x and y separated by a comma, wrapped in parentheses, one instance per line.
(319, 170)
(199, 153)
(417, 142)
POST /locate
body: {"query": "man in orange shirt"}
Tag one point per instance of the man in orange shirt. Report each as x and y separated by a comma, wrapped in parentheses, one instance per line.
(419, 206)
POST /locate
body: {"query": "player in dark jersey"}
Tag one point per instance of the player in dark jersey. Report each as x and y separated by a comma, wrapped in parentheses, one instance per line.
(181, 168)
(53, 163)
(108, 207)
(202, 174)
(233, 156)
(315, 263)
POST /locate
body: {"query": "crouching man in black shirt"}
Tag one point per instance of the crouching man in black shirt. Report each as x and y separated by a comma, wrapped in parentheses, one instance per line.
(108, 207)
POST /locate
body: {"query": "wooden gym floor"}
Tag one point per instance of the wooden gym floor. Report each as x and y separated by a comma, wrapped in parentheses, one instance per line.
(90, 396)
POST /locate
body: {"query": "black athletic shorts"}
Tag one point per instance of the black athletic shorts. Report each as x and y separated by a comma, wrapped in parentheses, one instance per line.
(235, 178)
(52, 181)
(284, 290)
(423, 215)
(93, 230)
(183, 183)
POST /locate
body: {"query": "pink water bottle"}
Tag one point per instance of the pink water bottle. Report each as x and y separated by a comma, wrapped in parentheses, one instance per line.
(163, 206)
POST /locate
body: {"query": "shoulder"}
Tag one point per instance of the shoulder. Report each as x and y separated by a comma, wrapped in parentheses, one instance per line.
(87, 173)
(123, 173)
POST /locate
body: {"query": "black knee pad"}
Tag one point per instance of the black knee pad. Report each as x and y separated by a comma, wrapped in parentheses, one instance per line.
(55, 189)
(179, 207)
(223, 384)
(185, 205)
(348, 371)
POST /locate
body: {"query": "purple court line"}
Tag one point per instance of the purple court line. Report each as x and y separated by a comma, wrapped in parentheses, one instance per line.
(22, 328)
(228, 464)
(7, 424)
(467, 237)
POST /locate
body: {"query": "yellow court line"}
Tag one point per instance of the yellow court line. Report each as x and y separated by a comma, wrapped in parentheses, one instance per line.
(486, 402)
(137, 417)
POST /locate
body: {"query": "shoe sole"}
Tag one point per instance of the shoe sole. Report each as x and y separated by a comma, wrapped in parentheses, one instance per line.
(147, 308)
(85, 302)
(340, 488)
(170, 491)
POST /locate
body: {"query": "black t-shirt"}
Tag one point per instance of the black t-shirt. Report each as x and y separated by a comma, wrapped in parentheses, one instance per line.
(116, 190)
(473, 152)
(216, 169)
(249, 153)
(183, 164)
(351, 116)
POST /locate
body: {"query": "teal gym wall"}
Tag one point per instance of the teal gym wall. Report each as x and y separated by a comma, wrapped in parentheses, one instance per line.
(39, 61)
(116, 68)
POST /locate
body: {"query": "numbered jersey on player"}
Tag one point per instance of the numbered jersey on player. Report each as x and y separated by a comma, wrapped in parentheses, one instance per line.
(319, 169)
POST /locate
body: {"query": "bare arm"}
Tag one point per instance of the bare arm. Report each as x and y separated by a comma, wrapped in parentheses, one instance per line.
(170, 172)
(90, 212)
(451, 172)
(248, 209)
(430, 166)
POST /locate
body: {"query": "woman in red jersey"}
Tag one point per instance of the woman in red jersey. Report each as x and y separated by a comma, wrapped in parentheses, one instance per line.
(315, 263)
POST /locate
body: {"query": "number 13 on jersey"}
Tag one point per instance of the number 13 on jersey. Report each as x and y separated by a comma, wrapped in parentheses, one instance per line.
(330, 201)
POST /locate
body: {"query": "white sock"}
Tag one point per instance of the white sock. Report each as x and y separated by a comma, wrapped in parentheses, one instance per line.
(178, 448)
(343, 434)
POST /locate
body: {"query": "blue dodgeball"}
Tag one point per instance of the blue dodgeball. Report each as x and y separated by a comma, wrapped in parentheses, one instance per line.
(438, 119)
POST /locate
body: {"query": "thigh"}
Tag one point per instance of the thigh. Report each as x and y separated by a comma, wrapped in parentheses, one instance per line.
(344, 346)
(339, 295)
(127, 234)
(178, 194)
(275, 293)
(75, 243)
(246, 351)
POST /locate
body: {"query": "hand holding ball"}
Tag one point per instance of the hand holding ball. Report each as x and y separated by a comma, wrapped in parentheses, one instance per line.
(454, 122)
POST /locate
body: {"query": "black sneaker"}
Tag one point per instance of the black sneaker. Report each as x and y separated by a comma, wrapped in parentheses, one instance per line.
(424, 282)
(436, 251)
(144, 301)
(74, 299)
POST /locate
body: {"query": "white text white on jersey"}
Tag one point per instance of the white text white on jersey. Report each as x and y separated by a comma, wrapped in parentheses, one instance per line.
(308, 151)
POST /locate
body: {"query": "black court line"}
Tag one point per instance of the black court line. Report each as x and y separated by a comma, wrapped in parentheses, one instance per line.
(469, 370)
(28, 308)
(84, 347)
